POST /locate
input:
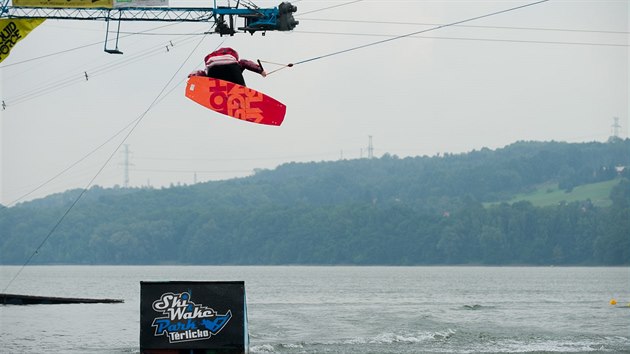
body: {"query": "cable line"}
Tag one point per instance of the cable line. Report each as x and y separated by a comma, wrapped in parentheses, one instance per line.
(80, 47)
(79, 76)
(72, 165)
(91, 182)
(418, 32)
(67, 82)
(43, 184)
(467, 26)
(331, 7)
(470, 39)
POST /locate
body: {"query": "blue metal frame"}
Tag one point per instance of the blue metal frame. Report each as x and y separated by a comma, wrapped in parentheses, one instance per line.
(5, 4)
(255, 19)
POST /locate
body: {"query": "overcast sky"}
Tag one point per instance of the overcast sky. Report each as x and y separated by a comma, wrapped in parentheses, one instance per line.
(553, 71)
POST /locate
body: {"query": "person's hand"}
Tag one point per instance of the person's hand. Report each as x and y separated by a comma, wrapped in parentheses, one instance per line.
(263, 73)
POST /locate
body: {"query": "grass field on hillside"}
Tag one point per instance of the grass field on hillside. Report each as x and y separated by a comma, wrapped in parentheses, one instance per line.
(550, 194)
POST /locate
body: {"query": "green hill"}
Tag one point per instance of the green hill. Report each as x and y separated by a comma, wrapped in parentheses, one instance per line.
(388, 210)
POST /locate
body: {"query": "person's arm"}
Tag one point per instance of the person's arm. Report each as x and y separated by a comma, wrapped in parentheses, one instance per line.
(251, 66)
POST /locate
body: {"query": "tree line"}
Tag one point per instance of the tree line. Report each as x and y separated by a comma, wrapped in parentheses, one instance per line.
(412, 211)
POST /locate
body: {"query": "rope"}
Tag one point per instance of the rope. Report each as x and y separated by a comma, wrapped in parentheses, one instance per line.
(414, 33)
(283, 66)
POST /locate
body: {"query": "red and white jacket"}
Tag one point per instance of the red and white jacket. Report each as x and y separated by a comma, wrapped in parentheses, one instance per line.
(224, 56)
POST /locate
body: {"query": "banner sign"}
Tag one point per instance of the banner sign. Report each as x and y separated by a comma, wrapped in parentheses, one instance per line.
(89, 3)
(65, 3)
(14, 30)
(184, 315)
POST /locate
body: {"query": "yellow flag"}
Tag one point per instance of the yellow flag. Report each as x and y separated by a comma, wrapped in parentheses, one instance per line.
(14, 30)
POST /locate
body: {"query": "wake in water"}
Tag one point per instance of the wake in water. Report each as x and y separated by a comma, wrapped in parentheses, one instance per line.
(453, 341)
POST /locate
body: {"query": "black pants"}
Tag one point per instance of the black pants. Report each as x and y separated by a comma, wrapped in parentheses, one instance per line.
(230, 72)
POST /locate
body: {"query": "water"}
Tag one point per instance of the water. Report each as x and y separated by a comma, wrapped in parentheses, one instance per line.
(342, 309)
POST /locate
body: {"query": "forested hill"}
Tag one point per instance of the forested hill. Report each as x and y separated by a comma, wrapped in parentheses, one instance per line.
(388, 210)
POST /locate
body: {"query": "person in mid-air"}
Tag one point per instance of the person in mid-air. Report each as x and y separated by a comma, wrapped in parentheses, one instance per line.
(224, 64)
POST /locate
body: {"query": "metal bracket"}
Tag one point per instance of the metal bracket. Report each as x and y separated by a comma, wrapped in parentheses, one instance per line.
(115, 50)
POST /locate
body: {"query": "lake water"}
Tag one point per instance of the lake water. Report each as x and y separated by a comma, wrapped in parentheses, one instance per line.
(296, 309)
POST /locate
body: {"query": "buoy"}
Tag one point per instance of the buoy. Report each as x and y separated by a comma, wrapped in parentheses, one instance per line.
(613, 302)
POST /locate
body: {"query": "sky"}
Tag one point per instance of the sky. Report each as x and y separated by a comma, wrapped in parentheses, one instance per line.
(557, 71)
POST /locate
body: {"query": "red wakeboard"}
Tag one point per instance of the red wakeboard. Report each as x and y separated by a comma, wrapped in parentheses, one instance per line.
(235, 100)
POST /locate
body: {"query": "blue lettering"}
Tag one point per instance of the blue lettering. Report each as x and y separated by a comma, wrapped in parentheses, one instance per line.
(162, 324)
(165, 325)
